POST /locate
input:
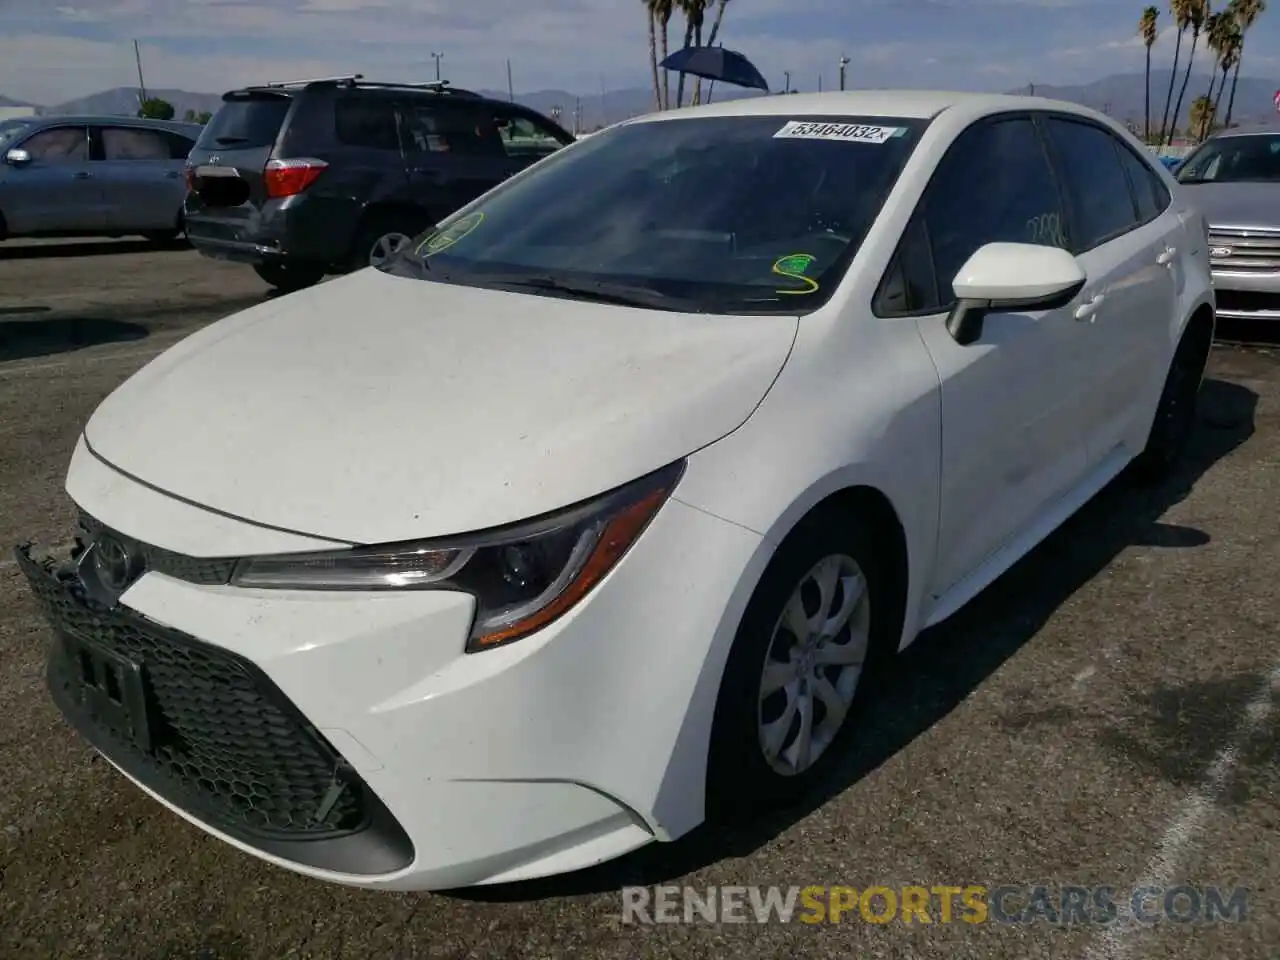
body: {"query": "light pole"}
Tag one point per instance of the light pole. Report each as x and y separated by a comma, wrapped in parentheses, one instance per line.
(787, 74)
(844, 62)
(437, 57)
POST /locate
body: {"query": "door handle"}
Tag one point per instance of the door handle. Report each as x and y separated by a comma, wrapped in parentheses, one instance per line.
(82, 175)
(1088, 311)
(1166, 258)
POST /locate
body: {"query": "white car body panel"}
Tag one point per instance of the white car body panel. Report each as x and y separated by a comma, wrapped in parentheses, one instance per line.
(378, 409)
(501, 406)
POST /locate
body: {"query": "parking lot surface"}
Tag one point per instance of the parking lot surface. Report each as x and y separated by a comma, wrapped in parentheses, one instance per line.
(1107, 714)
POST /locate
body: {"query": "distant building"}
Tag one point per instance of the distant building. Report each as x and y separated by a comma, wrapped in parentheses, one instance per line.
(12, 113)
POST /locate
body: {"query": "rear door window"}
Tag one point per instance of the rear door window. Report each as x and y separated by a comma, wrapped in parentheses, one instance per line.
(179, 146)
(1149, 192)
(252, 121)
(132, 143)
(59, 145)
(1089, 162)
(361, 120)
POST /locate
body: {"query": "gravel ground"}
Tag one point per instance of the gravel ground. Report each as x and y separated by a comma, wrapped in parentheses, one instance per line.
(1107, 714)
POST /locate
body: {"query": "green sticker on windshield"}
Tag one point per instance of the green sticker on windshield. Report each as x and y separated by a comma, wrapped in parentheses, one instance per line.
(450, 235)
(793, 267)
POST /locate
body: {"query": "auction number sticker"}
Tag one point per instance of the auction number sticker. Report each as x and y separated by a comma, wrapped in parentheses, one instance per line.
(847, 132)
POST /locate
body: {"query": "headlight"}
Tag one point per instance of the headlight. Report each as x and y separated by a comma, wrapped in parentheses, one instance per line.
(523, 576)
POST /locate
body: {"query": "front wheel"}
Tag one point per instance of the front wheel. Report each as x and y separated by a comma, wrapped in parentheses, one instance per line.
(288, 277)
(813, 635)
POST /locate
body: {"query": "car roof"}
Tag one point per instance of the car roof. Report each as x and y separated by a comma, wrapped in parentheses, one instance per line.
(906, 104)
(177, 126)
(1251, 129)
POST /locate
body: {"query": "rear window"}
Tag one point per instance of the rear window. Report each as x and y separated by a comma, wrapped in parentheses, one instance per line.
(253, 121)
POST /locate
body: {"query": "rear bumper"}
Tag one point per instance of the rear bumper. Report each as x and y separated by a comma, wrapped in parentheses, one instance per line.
(297, 229)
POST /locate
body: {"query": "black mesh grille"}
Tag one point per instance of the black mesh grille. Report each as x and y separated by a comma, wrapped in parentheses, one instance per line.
(222, 741)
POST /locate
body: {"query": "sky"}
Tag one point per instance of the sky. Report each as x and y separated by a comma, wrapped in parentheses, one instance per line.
(54, 50)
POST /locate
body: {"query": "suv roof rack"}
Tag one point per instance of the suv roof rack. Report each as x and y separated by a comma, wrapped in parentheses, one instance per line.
(348, 78)
(436, 86)
(358, 80)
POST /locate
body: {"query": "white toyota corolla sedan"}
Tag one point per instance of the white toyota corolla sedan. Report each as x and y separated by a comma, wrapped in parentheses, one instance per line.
(592, 514)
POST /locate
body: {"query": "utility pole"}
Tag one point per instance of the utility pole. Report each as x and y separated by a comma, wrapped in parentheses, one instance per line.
(844, 62)
(511, 90)
(437, 57)
(787, 74)
(819, 81)
(142, 86)
(604, 97)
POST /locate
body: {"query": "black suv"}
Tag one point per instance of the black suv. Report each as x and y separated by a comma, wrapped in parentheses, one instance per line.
(312, 177)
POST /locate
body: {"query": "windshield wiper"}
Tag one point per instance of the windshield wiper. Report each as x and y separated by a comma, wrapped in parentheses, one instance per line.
(597, 292)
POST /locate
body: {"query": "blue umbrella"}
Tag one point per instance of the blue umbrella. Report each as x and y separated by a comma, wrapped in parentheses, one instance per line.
(716, 63)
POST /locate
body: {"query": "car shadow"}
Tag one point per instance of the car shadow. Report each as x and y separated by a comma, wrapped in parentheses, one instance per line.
(21, 340)
(948, 662)
(87, 248)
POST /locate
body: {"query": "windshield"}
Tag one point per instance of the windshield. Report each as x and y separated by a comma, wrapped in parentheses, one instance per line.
(711, 214)
(1234, 160)
(10, 130)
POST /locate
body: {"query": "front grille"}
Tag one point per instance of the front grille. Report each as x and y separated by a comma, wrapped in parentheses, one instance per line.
(212, 571)
(1247, 301)
(223, 742)
(1244, 251)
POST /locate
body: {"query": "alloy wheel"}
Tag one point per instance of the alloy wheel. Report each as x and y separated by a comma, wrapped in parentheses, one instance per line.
(813, 664)
(386, 247)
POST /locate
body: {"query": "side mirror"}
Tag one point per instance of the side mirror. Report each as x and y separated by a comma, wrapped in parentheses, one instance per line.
(17, 158)
(1002, 277)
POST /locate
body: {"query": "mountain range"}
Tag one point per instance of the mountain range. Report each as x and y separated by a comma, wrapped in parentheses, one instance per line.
(1120, 95)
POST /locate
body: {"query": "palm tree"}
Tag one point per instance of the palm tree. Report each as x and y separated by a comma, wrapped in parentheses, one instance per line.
(711, 42)
(1215, 31)
(1198, 13)
(651, 6)
(1246, 13)
(1201, 116)
(663, 10)
(1229, 43)
(1181, 10)
(694, 11)
(1149, 32)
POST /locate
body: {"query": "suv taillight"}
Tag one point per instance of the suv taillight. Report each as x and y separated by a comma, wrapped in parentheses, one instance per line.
(287, 178)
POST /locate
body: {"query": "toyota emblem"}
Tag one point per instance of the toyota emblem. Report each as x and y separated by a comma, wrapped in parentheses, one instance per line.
(113, 562)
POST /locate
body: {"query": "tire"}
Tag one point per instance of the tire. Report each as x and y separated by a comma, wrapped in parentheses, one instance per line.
(1176, 412)
(380, 237)
(288, 277)
(741, 779)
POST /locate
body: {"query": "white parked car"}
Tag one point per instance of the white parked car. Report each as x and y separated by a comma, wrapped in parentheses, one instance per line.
(590, 517)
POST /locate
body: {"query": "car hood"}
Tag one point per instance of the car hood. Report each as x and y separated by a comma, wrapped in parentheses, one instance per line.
(376, 408)
(1237, 204)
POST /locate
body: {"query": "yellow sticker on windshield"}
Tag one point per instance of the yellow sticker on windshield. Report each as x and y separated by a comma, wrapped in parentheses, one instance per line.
(450, 235)
(793, 267)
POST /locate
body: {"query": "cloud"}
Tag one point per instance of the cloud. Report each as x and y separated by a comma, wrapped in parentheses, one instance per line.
(51, 53)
